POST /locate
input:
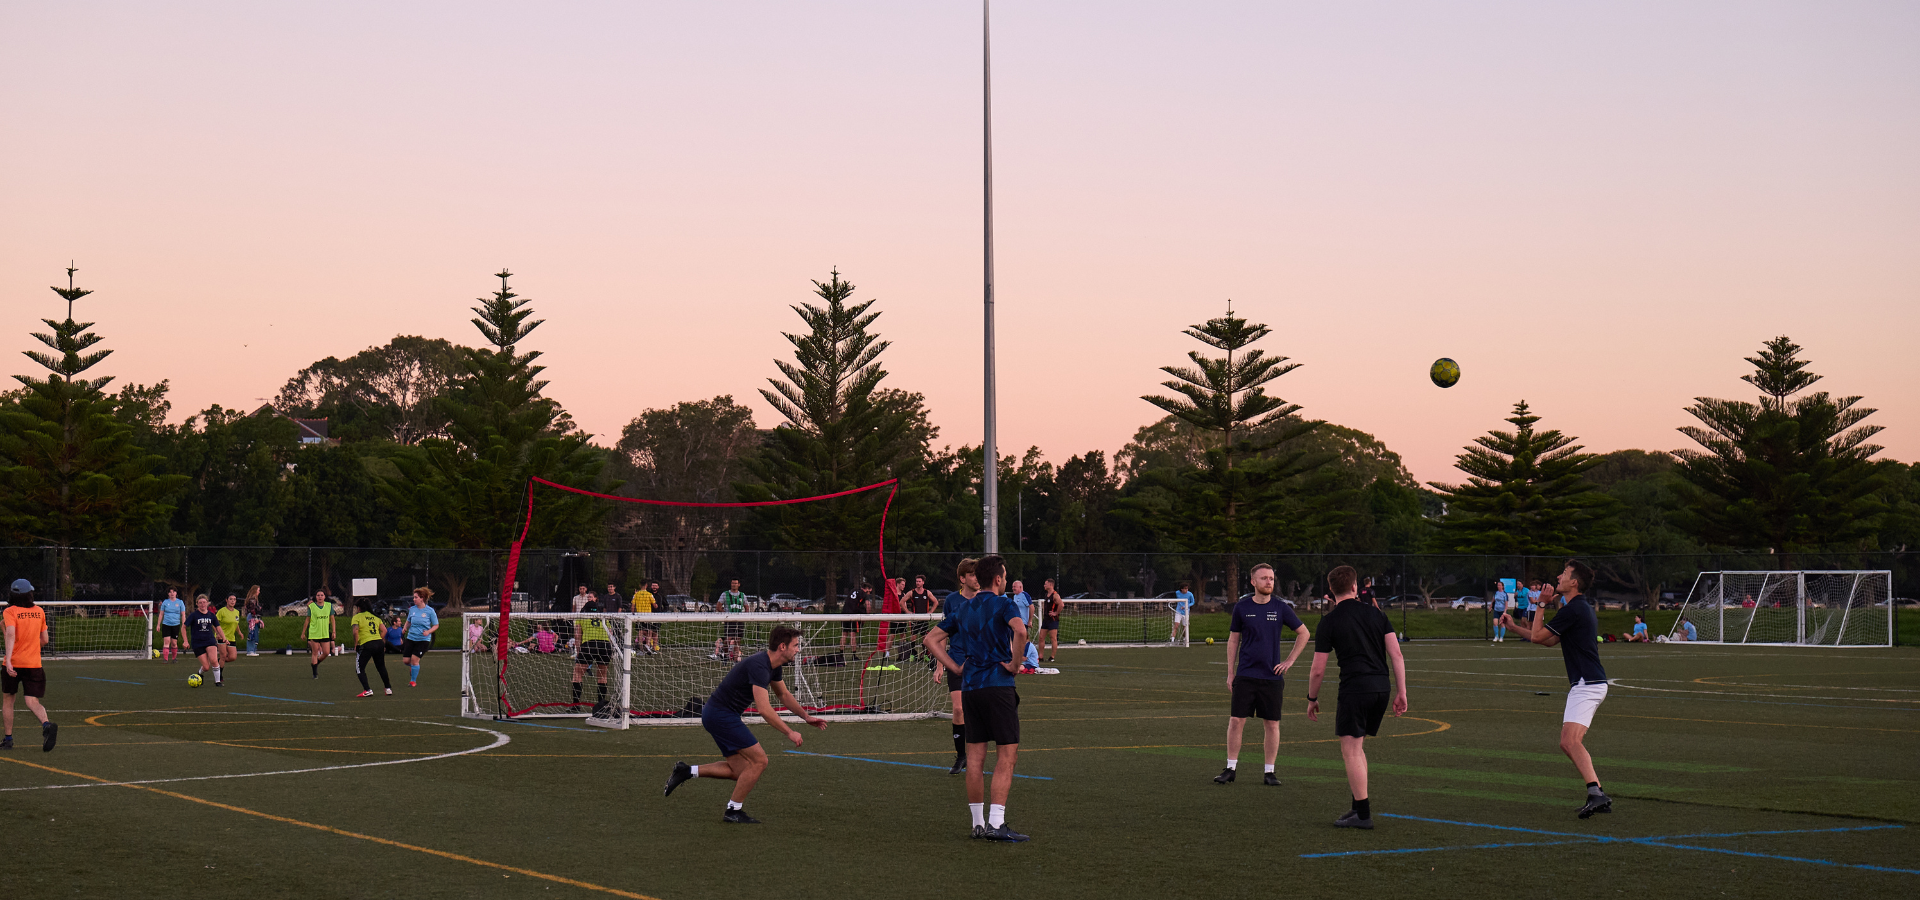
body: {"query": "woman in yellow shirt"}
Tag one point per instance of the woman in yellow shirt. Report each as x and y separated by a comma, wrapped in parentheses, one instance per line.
(229, 618)
(369, 635)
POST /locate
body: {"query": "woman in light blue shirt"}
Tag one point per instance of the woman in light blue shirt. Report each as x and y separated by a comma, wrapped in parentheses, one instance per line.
(173, 614)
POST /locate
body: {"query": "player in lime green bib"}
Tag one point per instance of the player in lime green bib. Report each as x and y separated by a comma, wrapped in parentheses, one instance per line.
(593, 650)
(229, 618)
(319, 629)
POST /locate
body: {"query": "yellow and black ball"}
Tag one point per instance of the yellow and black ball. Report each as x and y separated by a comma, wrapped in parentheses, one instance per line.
(1445, 372)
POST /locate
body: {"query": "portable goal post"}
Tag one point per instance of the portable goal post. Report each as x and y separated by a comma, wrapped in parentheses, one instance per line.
(1118, 623)
(1795, 608)
(98, 629)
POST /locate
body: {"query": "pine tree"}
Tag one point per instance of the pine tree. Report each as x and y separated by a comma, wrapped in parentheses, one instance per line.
(70, 472)
(1783, 473)
(469, 490)
(1525, 495)
(1221, 508)
(838, 434)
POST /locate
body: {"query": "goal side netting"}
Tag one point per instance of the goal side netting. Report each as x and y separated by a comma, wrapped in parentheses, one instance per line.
(1805, 608)
(665, 665)
(98, 629)
(1121, 623)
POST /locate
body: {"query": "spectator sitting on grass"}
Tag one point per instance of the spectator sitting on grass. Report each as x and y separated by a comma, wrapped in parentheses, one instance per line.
(1639, 630)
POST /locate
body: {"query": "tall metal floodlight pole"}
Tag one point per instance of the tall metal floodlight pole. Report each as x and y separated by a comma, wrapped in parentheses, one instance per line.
(990, 476)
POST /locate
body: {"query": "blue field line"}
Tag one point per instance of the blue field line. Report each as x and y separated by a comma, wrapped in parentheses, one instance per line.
(1566, 834)
(114, 680)
(1802, 859)
(281, 699)
(890, 762)
(534, 724)
(1676, 837)
(1432, 849)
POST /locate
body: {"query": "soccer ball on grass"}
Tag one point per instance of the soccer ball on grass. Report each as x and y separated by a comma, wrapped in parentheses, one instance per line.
(1083, 642)
(1209, 640)
(195, 680)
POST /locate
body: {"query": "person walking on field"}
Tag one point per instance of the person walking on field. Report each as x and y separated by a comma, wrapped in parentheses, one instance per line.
(919, 601)
(320, 629)
(256, 619)
(173, 611)
(1182, 609)
(209, 643)
(25, 633)
(422, 622)
(229, 618)
(855, 605)
(370, 645)
(1576, 630)
(647, 632)
(1363, 638)
(1052, 606)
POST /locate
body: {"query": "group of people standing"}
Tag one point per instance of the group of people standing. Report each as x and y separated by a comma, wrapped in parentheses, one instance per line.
(213, 635)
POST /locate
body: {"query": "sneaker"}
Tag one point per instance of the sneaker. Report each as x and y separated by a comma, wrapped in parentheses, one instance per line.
(1225, 777)
(1352, 820)
(389, 692)
(681, 774)
(1270, 780)
(252, 653)
(1004, 834)
(368, 693)
(979, 832)
(959, 766)
(6, 743)
(739, 817)
(50, 731)
(1596, 803)
(413, 684)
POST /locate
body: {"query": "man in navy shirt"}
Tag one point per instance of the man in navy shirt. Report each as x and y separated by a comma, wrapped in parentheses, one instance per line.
(991, 635)
(753, 683)
(1255, 672)
(1576, 630)
(969, 587)
(1363, 637)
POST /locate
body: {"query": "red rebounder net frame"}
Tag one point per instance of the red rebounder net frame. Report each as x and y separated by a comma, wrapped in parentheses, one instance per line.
(501, 649)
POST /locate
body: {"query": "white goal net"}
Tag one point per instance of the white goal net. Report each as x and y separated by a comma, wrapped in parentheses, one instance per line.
(850, 668)
(1815, 608)
(97, 629)
(1119, 623)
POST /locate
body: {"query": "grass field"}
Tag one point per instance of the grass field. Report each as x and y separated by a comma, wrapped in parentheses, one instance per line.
(1756, 772)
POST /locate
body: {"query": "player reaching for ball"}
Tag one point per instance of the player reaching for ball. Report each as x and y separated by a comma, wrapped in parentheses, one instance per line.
(1576, 630)
(753, 683)
(1256, 675)
(209, 643)
(1363, 638)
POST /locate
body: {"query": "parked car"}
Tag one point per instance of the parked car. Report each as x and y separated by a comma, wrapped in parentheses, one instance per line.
(678, 603)
(1468, 603)
(786, 602)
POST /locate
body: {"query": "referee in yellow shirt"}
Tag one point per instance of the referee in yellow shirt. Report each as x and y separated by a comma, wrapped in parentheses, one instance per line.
(643, 603)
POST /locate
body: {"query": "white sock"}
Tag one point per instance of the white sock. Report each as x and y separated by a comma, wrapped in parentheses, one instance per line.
(1233, 764)
(735, 804)
(979, 811)
(694, 771)
(1269, 768)
(996, 815)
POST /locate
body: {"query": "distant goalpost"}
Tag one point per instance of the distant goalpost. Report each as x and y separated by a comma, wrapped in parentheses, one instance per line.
(1791, 608)
(1119, 623)
(98, 629)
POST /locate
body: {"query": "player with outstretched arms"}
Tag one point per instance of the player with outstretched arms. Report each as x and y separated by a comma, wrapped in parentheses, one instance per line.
(753, 683)
(25, 632)
(1256, 675)
(1362, 636)
(422, 622)
(1575, 629)
(956, 602)
(992, 636)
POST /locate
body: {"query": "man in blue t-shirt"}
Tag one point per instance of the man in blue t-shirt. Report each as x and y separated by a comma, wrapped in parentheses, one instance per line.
(1182, 609)
(1576, 631)
(1256, 675)
(1030, 660)
(989, 632)
(173, 612)
(949, 657)
(753, 683)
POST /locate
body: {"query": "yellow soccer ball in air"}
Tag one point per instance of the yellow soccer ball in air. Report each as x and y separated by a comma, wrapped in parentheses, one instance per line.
(1445, 372)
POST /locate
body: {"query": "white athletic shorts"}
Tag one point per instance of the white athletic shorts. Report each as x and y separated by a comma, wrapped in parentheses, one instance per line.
(1180, 617)
(1583, 700)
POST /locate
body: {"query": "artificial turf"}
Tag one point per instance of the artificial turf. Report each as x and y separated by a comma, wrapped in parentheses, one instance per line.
(1744, 763)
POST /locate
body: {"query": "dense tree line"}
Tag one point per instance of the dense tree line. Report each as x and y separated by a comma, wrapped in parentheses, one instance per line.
(432, 444)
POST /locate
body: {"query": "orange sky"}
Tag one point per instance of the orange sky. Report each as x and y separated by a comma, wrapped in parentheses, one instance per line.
(1598, 210)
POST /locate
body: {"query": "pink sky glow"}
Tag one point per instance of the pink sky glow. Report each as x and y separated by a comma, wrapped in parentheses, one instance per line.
(1596, 208)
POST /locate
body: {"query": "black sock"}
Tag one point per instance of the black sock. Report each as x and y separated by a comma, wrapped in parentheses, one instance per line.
(576, 693)
(1364, 808)
(600, 692)
(959, 742)
(363, 682)
(316, 670)
(1593, 789)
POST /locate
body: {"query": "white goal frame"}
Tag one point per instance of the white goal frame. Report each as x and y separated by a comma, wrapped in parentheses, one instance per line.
(481, 696)
(1154, 617)
(69, 614)
(1866, 593)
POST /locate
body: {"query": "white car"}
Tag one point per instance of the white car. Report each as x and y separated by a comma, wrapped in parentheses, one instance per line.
(785, 602)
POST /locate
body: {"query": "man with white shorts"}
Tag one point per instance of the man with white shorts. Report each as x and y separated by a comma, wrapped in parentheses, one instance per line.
(1182, 608)
(1576, 630)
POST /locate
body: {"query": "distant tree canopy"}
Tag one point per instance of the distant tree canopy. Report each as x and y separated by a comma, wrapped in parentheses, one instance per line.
(1526, 494)
(391, 393)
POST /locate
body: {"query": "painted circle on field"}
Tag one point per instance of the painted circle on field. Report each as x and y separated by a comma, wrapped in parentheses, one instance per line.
(496, 741)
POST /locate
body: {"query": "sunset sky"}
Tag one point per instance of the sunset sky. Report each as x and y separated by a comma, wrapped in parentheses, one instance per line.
(1598, 208)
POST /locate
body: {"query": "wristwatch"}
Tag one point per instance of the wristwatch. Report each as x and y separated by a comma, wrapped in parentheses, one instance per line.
(1313, 699)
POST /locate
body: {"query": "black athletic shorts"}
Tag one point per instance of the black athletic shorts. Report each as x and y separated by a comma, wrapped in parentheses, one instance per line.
(595, 653)
(1258, 697)
(32, 682)
(1359, 715)
(1049, 623)
(733, 630)
(199, 648)
(418, 648)
(993, 714)
(177, 632)
(850, 625)
(953, 683)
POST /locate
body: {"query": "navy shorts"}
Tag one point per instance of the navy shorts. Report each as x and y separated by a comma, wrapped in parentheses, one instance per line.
(729, 733)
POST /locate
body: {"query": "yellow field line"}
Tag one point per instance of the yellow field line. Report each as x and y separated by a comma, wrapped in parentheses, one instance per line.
(557, 879)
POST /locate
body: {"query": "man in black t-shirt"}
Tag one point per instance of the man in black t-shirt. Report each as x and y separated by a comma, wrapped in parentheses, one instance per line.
(1576, 630)
(1256, 675)
(1363, 637)
(920, 602)
(753, 683)
(855, 605)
